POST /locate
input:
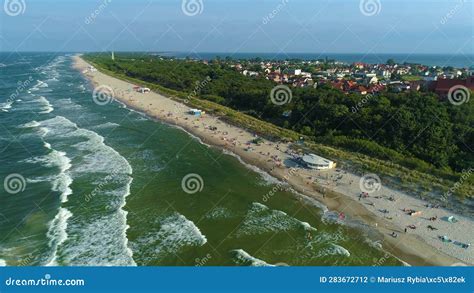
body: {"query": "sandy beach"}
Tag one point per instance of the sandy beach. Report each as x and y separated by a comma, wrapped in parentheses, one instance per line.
(387, 211)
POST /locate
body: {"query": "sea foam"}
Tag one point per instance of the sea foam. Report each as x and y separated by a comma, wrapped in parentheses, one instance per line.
(241, 257)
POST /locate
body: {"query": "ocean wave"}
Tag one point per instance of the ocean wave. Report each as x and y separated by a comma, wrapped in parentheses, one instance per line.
(334, 249)
(98, 241)
(46, 106)
(175, 233)
(261, 219)
(46, 110)
(98, 158)
(39, 84)
(107, 125)
(31, 124)
(53, 159)
(6, 106)
(241, 257)
(57, 233)
(60, 182)
(218, 213)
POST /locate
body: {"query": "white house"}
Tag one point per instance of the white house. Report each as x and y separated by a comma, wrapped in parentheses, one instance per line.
(143, 90)
(316, 162)
(195, 112)
(294, 71)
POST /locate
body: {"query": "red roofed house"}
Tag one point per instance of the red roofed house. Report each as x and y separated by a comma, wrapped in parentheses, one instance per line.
(442, 86)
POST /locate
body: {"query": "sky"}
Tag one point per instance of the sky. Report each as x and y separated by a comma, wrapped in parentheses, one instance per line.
(239, 26)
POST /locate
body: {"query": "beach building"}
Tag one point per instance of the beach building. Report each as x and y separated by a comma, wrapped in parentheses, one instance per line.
(143, 90)
(316, 162)
(195, 112)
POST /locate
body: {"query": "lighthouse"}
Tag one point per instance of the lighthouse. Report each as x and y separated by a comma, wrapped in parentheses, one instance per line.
(113, 56)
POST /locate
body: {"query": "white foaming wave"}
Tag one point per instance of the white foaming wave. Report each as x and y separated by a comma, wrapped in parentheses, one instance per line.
(100, 158)
(39, 84)
(6, 105)
(53, 159)
(57, 233)
(112, 232)
(46, 105)
(334, 249)
(31, 124)
(243, 258)
(57, 126)
(107, 125)
(176, 232)
(218, 213)
(261, 219)
(68, 103)
(61, 182)
(96, 242)
(47, 110)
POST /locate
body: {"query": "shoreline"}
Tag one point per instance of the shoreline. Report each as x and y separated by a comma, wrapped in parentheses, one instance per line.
(412, 248)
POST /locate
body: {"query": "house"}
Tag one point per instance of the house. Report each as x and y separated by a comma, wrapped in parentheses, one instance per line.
(316, 162)
(360, 90)
(442, 86)
(143, 90)
(371, 80)
(359, 65)
(195, 112)
(294, 71)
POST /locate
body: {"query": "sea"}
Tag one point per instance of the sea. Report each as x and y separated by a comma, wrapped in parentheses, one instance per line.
(93, 184)
(440, 60)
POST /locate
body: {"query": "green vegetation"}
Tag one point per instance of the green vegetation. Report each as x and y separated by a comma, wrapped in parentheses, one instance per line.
(410, 78)
(413, 137)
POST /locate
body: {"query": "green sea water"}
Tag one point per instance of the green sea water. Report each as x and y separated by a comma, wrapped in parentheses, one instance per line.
(104, 185)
